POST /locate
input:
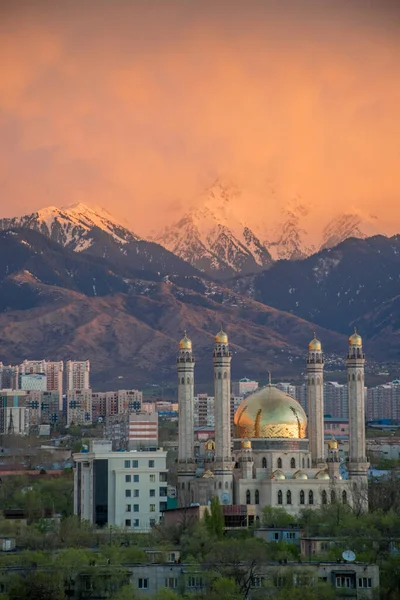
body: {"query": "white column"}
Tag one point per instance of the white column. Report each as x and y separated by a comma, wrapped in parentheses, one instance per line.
(185, 365)
(315, 393)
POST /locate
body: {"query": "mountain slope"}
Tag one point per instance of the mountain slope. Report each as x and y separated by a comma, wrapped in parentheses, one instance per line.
(94, 231)
(334, 287)
(346, 226)
(58, 304)
(210, 237)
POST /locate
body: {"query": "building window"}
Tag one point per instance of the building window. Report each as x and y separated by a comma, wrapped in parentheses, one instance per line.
(220, 485)
(248, 497)
(128, 508)
(163, 506)
(279, 463)
(135, 464)
(127, 523)
(136, 493)
(136, 479)
(219, 375)
(163, 477)
(152, 493)
(365, 582)
(276, 536)
(143, 583)
(128, 493)
(127, 464)
(183, 485)
(163, 491)
(151, 464)
(136, 508)
(136, 522)
(308, 463)
(171, 582)
(292, 463)
(128, 478)
(264, 463)
(288, 497)
(280, 497)
(256, 497)
(344, 497)
(226, 485)
(152, 508)
(195, 582)
(324, 497)
(310, 497)
(302, 501)
(343, 581)
(302, 462)
(152, 478)
(152, 522)
(333, 496)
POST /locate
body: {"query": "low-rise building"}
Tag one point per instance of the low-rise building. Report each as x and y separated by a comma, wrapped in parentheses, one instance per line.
(289, 534)
(127, 489)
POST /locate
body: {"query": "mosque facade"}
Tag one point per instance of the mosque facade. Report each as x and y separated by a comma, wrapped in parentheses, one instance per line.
(275, 456)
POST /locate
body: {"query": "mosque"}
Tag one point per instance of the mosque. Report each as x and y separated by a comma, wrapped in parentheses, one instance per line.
(275, 456)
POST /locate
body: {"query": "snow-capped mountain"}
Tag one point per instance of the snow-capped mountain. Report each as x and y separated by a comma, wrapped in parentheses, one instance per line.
(288, 239)
(72, 226)
(349, 225)
(92, 230)
(213, 239)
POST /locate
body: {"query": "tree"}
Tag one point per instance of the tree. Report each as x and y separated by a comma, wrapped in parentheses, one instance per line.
(276, 517)
(214, 519)
(238, 560)
(224, 588)
(196, 542)
(38, 586)
(126, 592)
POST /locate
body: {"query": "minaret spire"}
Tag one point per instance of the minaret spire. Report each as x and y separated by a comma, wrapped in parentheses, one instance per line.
(315, 393)
(185, 366)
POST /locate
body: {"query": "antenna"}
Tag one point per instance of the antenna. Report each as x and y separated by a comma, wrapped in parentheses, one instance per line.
(269, 378)
(348, 556)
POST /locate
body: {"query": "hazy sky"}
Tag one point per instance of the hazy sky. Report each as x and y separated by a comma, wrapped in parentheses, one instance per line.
(137, 105)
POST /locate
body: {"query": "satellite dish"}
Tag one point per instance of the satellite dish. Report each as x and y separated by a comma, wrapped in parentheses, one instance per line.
(348, 556)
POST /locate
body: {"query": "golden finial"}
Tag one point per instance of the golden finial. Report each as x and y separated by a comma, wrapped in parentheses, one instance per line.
(185, 343)
(257, 423)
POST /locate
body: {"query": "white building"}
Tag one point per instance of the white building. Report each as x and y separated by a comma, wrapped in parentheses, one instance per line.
(126, 489)
(77, 372)
(133, 431)
(244, 386)
(14, 415)
(34, 382)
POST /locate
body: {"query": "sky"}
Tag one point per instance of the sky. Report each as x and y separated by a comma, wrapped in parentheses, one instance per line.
(138, 105)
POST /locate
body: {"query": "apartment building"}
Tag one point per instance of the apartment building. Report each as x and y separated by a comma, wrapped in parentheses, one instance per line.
(77, 375)
(79, 407)
(133, 431)
(14, 416)
(127, 489)
(105, 404)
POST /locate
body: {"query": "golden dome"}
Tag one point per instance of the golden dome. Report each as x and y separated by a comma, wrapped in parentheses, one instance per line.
(270, 413)
(221, 337)
(355, 339)
(278, 475)
(185, 343)
(315, 345)
(208, 475)
(333, 444)
(322, 475)
(300, 475)
(246, 444)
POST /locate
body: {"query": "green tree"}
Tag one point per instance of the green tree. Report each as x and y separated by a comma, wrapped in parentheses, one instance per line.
(196, 542)
(224, 588)
(276, 517)
(38, 586)
(165, 594)
(214, 518)
(126, 592)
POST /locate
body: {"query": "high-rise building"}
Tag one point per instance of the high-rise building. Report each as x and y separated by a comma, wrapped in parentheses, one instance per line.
(8, 377)
(77, 375)
(243, 387)
(383, 401)
(52, 370)
(14, 416)
(79, 407)
(133, 431)
(119, 402)
(126, 489)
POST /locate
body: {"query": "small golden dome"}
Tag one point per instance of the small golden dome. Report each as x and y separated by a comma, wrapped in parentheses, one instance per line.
(278, 475)
(270, 413)
(246, 444)
(333, 444)
(315, 345)
(185, 343)
(221, 337)
(208, 475)
(210, 445)
(355, 339)
(322, 475)
(300, 475)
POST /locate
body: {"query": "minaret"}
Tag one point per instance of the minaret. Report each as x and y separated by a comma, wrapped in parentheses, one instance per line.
(315, 392)
(185, 364)
(358, 465)
(222, 413)
(333, 460)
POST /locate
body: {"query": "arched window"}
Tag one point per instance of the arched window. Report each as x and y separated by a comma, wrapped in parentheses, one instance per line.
(264, 463)
(248, 497)
(188, 486)
(220, 485)
(292, 463)
(353, 377)
(333, 496)
(344, 497)
(310, 497)
(183, 380)
(256, 497)
(226, 485)
(280, 501)
(302, 500)
(225, 375)
(359, 377)
(219, 375)
(288, 497)
(303, 462)
(188, 380)
(308, 463)
(312, 380)
(183, 485)
(192, 495)
(324, 497)
(279, 463)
